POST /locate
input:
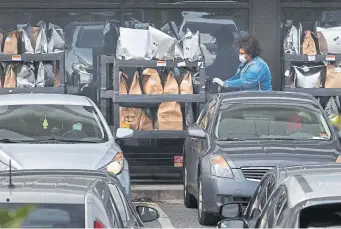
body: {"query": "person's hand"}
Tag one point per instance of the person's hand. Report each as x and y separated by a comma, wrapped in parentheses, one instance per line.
(218, 81)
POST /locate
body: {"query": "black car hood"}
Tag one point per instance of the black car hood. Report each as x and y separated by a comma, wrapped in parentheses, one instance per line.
(277, 152)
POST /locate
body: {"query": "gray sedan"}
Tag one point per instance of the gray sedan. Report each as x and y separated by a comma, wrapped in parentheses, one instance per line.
(53, 131)
(239, 136)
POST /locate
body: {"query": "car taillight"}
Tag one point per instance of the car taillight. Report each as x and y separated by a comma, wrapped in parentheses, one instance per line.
(98, 225)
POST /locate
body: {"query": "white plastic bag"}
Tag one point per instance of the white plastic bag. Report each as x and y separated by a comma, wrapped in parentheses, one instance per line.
(40, 81)
(41, 43)
(333, 38)
(25, 40)
(163, 45)
(134, 44)
(56, 39)
(307, 79)
(26, 77)
(191, 46)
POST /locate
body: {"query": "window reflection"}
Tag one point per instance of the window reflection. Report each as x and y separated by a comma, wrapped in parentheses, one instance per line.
(218, 31)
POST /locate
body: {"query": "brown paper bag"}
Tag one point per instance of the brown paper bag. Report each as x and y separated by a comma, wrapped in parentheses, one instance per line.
(309, 46)
(132, 116)
(333, 76)
(151, 82)
(186, 85)
(146, 121)
(171, 85)
(169, 116)
(10, 77)
(11, 43)
(123, 83)
(135, 88)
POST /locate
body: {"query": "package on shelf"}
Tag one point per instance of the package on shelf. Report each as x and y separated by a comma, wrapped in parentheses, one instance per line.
(163, 45)
(186, 87)
(291, 38)
(169, 115)
(309, 45)
(333, 76)
(191, 46)
(134, 44)
(29, 75)
(330, 40)
(11, 43)
(34, 39)
(307, 76)
(151, 82)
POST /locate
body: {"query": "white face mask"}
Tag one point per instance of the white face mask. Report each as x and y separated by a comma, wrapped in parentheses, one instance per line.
(242, 58)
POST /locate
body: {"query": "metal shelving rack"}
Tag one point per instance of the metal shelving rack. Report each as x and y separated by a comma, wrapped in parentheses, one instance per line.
(112, 100)
(60, 57)
(290, 58)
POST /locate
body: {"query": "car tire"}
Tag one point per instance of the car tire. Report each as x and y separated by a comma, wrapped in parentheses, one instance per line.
(189, 200)
(204, 218)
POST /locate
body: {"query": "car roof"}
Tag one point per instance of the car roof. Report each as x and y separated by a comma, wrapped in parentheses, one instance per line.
(49, 186)
(40, 98)
(267, 96)
(310, 181)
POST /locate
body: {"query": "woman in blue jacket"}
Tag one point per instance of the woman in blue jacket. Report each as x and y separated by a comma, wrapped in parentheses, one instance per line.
(253, 73)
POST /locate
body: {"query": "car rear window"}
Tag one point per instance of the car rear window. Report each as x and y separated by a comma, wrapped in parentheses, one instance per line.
(321, 216)
(47, 215)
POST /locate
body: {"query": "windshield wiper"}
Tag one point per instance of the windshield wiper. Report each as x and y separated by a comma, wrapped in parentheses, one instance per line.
(64, 140)
(231, 139)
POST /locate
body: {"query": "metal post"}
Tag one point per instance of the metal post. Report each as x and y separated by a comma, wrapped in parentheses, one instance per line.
(116, 107)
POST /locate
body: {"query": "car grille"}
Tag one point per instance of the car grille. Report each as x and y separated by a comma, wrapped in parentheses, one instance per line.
(255, 173)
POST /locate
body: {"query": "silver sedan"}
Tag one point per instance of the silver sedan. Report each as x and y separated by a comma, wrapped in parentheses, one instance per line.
(54, 131)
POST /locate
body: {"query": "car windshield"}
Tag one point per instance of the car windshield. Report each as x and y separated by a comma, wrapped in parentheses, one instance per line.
(271, 121)
(33, 122)
(46, 215)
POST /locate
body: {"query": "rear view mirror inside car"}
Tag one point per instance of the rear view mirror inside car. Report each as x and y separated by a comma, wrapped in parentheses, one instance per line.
(231, 210)
(147, 214)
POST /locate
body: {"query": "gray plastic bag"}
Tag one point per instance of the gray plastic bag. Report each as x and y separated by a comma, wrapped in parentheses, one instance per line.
(26, 77)
(191, 46)
(40, 81)
(25, 39)
(41, 43)
(49, 74)
(56, 41)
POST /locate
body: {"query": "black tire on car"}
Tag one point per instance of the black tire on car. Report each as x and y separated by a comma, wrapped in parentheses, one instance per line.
(189, 200)
(204, 218)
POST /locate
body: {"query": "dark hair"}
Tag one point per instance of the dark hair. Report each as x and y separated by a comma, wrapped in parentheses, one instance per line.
(251, 45)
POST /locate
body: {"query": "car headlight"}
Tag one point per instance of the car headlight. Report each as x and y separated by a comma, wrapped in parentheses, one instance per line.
(220, 168)
(116, 165)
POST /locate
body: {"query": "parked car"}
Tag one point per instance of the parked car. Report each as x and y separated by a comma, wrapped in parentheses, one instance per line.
(307, 197)
(70, 199)
(269, 183)
(239, 136)
(54, 131)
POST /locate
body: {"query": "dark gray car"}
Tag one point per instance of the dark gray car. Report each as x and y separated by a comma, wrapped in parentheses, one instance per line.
(71, 199)
(307, 197)
(239, 136)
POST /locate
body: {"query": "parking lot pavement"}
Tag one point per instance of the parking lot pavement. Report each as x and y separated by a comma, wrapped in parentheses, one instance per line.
(174, 215)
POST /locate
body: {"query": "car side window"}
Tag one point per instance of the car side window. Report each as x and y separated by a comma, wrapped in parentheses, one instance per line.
(267, 218)
(207, 118)
(254, 201)
(120, 203)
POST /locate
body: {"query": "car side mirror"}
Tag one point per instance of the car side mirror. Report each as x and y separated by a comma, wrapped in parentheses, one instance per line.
(231, 210)
(233, 223)
(147, 214)
(196, 132)
(124, 133)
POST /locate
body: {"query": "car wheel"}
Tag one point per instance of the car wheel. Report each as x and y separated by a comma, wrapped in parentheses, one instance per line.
(189, 199)
(204, 218)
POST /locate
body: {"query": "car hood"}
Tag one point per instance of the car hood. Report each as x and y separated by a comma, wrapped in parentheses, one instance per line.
(277, 153)
(58, 156)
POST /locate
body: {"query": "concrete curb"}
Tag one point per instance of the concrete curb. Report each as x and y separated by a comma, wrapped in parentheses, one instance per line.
(157, 193)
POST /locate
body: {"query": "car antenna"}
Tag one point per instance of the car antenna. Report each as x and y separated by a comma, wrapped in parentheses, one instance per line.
(10, 184)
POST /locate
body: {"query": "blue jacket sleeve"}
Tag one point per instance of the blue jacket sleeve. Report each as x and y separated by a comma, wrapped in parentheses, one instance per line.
(250, 78)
